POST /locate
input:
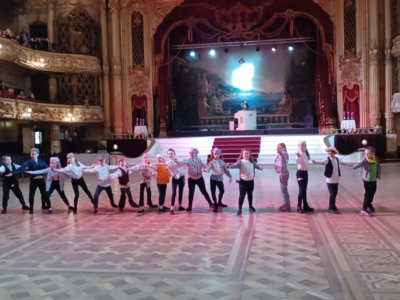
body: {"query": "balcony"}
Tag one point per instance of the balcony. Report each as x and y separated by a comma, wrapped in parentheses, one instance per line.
(49, 112)
(48, 61)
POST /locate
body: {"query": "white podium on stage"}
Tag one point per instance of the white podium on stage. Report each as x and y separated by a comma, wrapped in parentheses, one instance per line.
(247, 119)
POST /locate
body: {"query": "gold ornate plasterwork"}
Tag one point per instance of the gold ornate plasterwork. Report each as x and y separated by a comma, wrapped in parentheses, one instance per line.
(388, 51)
(396, 46)
(139, 82)
(113, 6)
(46, 112)
(373, 51)
(52, 62)
(116, 67)
(159, 11)
(350, 67)
(328, 6)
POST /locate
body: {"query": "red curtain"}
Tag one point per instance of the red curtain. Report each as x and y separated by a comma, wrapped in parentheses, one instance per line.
(351, 102)
(139, 102)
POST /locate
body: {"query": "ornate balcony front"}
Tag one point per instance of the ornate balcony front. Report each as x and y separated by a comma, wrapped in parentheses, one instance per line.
(48, 61)
(49, 112)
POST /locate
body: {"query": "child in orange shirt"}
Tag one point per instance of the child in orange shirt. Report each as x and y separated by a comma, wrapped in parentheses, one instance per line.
(162, 181)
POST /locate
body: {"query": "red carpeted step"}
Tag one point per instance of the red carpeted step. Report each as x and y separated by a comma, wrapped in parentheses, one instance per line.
(231, 147)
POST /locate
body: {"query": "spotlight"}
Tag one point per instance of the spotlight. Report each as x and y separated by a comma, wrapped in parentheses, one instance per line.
(192, 53)
(290, 48)
(242, 61)
(212, 52)
(226, 50)
(258, 48)
(274, 48)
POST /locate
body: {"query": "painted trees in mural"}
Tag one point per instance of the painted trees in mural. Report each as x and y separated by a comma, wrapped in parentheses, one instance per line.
(300, 86)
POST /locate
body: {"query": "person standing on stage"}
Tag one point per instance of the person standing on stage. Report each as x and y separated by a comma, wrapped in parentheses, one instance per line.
(37, 181)
(218, 169)
(371, 172)
(123, 181)
(303, 158)
(195, 165)
(74, 170)
(54, 181)
(162, 181)
(281, 162)
(247, 170)
(10, 183)
(103, 182)
(332, 174)
(146, 170)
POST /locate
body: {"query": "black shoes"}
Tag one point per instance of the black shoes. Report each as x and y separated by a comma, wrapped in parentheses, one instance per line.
(222, 205)
(308, 209)
(152, 205)
(95, 212)
(239, 212)
(171, 212)
(31, 212)
(24, 207)
(215, 210)
(134, 205)
(121, 210)
(70, 208)
(181, 208)
(252, 209)
(75, 211)
(45, 207)
(4, 211)
(334, 211)
(50, 211)
(161, 209)
(300, 210)
(141, 210)
(189, 209)
(114, 205)
(371, 209)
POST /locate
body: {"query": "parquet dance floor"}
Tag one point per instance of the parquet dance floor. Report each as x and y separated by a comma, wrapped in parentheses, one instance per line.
(202, 255)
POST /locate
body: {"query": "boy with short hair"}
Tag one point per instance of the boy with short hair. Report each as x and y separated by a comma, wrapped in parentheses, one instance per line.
(10, 183)
(371, 172)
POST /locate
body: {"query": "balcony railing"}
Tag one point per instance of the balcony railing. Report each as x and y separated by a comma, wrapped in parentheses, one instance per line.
(48, 61)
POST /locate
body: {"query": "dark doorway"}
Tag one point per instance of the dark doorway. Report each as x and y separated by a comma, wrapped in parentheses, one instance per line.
(38, 29)
(40, 86)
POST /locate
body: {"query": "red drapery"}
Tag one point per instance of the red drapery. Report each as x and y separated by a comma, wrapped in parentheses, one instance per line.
(351, 102)
(139, 102)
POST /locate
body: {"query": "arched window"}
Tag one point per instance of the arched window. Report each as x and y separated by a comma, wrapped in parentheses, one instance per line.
(78, 33)
(137, 40)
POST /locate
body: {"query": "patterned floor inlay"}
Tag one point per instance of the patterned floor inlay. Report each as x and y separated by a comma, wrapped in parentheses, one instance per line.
(201, 255)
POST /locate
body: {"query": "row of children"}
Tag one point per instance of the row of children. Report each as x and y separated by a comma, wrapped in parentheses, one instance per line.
(48, 179)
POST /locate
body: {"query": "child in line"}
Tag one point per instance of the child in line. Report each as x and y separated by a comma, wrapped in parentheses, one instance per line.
(74, 170)
(303, 158)
(123, 181)
(178, 179)
(146, 170)
(371, 172)
(10, 183)
(332, 174)
(54, 181)
(246, 166)
(162, 181)
(281, 162)
(218, 169)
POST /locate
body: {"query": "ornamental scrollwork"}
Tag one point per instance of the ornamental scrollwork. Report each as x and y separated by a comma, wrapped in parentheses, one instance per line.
(350, 67)
(139, 82)
(328, 6)
(160, 10)
(373, 51)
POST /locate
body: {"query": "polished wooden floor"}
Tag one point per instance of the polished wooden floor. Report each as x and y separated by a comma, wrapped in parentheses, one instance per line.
(202, 255)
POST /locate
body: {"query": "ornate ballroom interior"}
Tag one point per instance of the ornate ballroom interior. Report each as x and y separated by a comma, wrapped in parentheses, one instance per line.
(109, 63)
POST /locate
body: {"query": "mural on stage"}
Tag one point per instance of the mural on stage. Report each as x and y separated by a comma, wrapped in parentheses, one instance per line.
(280, 82)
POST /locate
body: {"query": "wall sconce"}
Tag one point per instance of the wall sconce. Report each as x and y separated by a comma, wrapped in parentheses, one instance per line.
(27, 114)
(115, 147)
(70, 118)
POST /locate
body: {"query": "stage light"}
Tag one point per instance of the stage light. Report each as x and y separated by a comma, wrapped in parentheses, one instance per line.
(212, 52)
(226, 50)
(290, 48)
(242, 77)
(258, 48)
(192, 54)
(274, 48)
(115, 146)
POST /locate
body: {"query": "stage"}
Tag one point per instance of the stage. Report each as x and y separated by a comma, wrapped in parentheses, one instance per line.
(206, 256)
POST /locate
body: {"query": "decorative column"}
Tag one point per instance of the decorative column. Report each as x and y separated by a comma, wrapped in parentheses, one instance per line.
(115, 62)
(388, 70)
(50, 20)
(126, 102)
(374, 99)
(106, 67)
(55, 138)
(52, 87)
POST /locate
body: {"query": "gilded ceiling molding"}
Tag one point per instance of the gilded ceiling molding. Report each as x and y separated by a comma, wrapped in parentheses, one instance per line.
(48, 61)
(350, 67)
(159, 12)
(48, 112)
(328, 6)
